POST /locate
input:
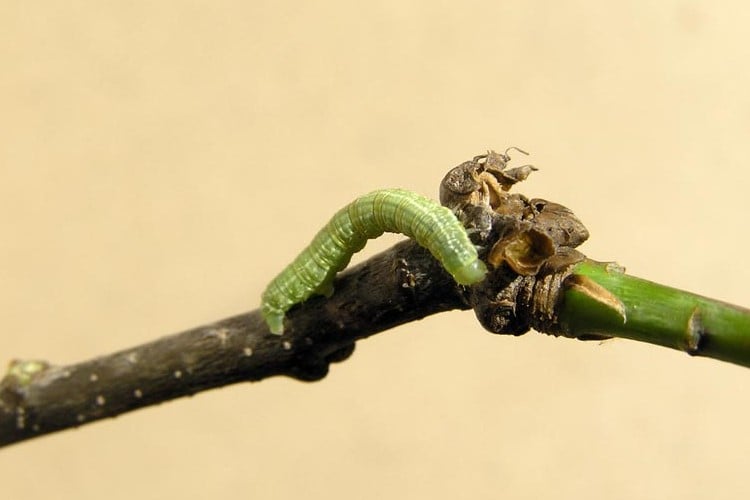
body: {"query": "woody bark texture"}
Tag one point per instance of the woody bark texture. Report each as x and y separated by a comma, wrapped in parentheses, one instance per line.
(400, 285)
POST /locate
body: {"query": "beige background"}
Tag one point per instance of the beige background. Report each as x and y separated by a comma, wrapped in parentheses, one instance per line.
(160, 161)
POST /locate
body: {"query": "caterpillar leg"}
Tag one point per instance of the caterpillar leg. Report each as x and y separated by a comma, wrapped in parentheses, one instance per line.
(275, 322)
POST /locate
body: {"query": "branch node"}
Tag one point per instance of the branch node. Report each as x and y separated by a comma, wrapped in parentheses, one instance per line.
(529, 243)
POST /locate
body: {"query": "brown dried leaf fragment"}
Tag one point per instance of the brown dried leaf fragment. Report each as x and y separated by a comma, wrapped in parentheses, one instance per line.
(525, 252)
(483, 180)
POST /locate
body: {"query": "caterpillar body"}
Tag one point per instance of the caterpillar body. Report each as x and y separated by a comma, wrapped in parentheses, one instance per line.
(389, 210)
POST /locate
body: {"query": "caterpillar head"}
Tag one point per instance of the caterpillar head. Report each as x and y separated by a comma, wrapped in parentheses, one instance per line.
(469, 274)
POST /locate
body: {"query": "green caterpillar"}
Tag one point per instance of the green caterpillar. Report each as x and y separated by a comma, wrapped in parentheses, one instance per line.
(389, 210)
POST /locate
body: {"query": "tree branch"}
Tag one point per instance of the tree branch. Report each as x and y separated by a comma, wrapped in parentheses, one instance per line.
(397, 286)
(538, 280)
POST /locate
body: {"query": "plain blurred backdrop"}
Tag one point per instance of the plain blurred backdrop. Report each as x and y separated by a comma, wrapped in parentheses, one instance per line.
(161, 161)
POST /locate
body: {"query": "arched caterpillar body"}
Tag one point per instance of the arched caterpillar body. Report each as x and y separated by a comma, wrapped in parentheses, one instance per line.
(389, 210)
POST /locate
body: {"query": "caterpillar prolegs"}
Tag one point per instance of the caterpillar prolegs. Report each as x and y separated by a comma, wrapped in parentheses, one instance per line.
(389, 210)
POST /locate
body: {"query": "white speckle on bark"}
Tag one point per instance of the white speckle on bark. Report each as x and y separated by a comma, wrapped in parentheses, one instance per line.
(94, 377)
(35, 427)
(222, 334)
(80, 417)
(132, 357)
(177, 374)
(100, 400)
(247, 351)
(138, 393)
(20, 417)
(287, 345)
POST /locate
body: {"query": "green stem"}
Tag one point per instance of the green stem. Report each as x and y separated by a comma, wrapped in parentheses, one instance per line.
(598, 298)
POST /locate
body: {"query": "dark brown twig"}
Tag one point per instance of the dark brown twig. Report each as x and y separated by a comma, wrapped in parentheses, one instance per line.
(400, 285)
